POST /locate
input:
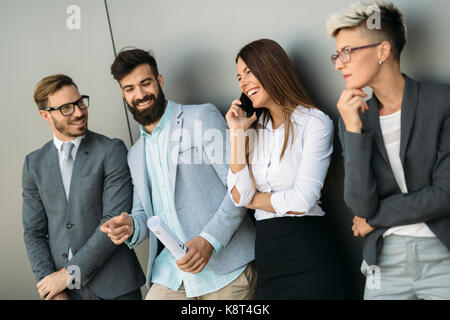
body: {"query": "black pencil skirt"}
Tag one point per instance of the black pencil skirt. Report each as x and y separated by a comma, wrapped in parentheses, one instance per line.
(296, 259)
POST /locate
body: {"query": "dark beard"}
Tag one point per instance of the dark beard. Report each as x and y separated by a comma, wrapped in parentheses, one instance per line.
(151, 114)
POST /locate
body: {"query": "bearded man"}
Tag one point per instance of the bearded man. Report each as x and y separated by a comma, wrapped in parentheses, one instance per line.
(191, 198)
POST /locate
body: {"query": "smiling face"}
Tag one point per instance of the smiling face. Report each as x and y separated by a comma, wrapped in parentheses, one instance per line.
(143, 92)
(251, 86)
(65, 128)
(363, 68)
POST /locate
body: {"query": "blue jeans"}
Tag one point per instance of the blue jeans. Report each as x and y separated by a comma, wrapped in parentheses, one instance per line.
(409, 268)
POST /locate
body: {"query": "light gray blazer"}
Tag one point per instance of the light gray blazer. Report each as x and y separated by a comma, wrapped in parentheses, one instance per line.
(200, 190)
(100, 189)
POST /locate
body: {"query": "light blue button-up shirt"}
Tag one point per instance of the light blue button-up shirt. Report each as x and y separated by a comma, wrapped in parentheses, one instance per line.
(165, 270)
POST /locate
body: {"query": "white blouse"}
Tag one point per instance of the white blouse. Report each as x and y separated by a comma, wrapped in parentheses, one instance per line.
(296, 181)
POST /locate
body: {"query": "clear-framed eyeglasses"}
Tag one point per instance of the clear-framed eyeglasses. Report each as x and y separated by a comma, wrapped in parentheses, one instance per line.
(346, 54)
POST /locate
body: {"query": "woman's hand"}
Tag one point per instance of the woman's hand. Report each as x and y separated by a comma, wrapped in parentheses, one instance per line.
(236, 117)
(350, 102)
(361, 228)
(261, 200)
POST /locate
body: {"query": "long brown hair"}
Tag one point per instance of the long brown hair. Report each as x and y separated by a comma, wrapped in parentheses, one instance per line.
(272, 67)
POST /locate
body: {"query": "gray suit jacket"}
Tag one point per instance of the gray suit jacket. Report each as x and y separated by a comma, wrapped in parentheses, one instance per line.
(200, 190)
(370, 189)
(100, 189)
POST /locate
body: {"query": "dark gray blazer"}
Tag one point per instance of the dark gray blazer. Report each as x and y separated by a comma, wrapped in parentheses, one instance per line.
(100, 189)
(370, 189)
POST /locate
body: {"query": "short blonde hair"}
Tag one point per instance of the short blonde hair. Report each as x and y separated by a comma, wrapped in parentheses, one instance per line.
(48, 86)
(392, 29)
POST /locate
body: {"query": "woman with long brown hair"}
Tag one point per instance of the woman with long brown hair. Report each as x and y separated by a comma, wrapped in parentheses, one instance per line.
(279, 160)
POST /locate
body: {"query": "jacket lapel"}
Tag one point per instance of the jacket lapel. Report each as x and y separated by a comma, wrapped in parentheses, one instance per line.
(55, 172)
(141, 176)
(374, 120)
(176, 125)
(409, 106)
(81, 158)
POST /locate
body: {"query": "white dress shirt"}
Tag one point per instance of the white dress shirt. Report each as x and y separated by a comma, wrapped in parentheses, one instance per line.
(58, 143)
(391, 130)
(296, 181)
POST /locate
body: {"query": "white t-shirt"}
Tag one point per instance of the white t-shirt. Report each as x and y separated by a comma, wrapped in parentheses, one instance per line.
(391, 130)
(297, 180)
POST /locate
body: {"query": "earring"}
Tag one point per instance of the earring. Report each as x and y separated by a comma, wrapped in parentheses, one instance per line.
(380, 62)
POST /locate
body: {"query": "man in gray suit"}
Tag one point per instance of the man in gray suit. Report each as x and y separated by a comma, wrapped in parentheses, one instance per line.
(179, 174)
(71, 186)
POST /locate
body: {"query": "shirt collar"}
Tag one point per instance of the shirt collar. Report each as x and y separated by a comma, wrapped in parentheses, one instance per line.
(161, 124)
(296, 116)
(58, 143)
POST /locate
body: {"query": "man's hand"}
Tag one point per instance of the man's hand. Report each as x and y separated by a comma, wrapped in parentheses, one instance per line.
(361, 228)
(197, 256)
(119, 228)
(61, 296)
(53, 284)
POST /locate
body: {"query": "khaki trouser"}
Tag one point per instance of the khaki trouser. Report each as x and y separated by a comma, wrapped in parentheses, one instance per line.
(242, 288)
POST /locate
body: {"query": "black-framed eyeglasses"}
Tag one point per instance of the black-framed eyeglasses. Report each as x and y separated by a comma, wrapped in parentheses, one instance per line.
(346, 54)
(68, 108)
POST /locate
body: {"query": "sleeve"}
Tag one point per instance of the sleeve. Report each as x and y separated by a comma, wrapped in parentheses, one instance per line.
(35, 226)
(228, 217)
(243, 184)
(360, 188)
(117, 197)
(141, 231)
(214, 243)
(430, 203)
(133, 242)
(316, 156)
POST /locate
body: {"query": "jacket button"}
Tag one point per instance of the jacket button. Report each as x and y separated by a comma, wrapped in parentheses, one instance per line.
(69, 226)
(64, 255)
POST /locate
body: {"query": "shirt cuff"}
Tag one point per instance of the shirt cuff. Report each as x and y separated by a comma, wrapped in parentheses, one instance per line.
(216, 244)
(243, 183)
(279, 204)
(131, 243)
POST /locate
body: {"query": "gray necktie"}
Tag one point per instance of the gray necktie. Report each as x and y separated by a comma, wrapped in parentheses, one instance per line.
(67, 166)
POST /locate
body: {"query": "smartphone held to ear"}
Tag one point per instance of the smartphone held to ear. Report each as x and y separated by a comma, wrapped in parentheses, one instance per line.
(247, 105)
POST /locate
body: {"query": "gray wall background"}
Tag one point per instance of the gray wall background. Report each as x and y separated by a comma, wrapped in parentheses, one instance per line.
(195, 43)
